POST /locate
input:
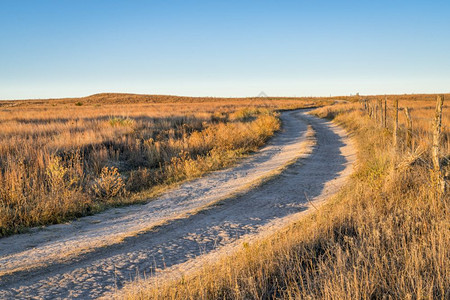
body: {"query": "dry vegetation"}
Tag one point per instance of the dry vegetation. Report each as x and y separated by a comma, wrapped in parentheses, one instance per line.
(386, 235)
(64, 158)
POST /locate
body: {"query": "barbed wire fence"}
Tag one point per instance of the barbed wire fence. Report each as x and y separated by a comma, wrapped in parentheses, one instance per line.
(404, 136)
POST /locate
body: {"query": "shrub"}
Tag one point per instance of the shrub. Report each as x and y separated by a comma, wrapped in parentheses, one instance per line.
(109, 185)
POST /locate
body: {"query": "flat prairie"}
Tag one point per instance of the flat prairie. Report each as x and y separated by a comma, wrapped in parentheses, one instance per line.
(65, 158)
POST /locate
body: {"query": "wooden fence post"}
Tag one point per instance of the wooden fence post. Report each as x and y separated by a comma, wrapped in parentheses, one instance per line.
(437, 130)
(409, 128)
(380, 108)
(372, 105)
(375, 104)
(395, 122)
(374, 112)
(374, 109)
(385, 111)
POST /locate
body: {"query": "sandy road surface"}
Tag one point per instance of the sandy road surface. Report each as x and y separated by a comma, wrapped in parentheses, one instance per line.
(89, 257)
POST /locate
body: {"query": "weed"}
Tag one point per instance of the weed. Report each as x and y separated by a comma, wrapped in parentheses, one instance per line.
(109, 184)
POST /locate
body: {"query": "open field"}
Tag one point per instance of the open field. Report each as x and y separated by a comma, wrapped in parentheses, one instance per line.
(64, 158)
(385, 235)
(258, 225)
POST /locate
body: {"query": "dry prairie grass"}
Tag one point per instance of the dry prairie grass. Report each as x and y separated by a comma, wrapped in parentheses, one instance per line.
(386, 235)
(64, 158)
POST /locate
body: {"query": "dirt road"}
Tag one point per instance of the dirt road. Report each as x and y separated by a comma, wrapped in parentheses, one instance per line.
(196, 220)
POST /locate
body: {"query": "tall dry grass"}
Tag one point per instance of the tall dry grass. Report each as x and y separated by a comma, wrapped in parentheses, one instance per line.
(65, 158)
(386, 235)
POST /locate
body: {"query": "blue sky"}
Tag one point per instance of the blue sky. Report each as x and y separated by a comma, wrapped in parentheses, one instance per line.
(223, 48)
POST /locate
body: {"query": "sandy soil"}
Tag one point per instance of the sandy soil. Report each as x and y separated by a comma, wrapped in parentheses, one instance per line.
(185, 227)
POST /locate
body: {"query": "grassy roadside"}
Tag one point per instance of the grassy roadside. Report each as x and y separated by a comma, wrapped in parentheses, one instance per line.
(385, 235)
(56, 188)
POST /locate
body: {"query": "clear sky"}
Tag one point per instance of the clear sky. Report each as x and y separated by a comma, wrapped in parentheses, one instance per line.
(223, 48)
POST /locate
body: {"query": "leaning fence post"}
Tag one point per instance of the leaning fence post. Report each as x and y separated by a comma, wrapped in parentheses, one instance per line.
(409, 128)
(437, 130)
(385, 111)
(395, 122)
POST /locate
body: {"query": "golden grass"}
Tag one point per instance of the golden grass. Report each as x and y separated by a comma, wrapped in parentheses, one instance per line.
(385, 235)
(65, 158)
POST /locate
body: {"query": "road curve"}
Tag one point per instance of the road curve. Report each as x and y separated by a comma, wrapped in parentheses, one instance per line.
(94, 255)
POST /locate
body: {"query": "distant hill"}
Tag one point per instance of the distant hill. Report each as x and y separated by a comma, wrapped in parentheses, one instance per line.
(123, 98)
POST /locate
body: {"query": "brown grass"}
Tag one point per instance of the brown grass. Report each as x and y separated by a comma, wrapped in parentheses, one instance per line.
(386, 235)
(65, 158)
